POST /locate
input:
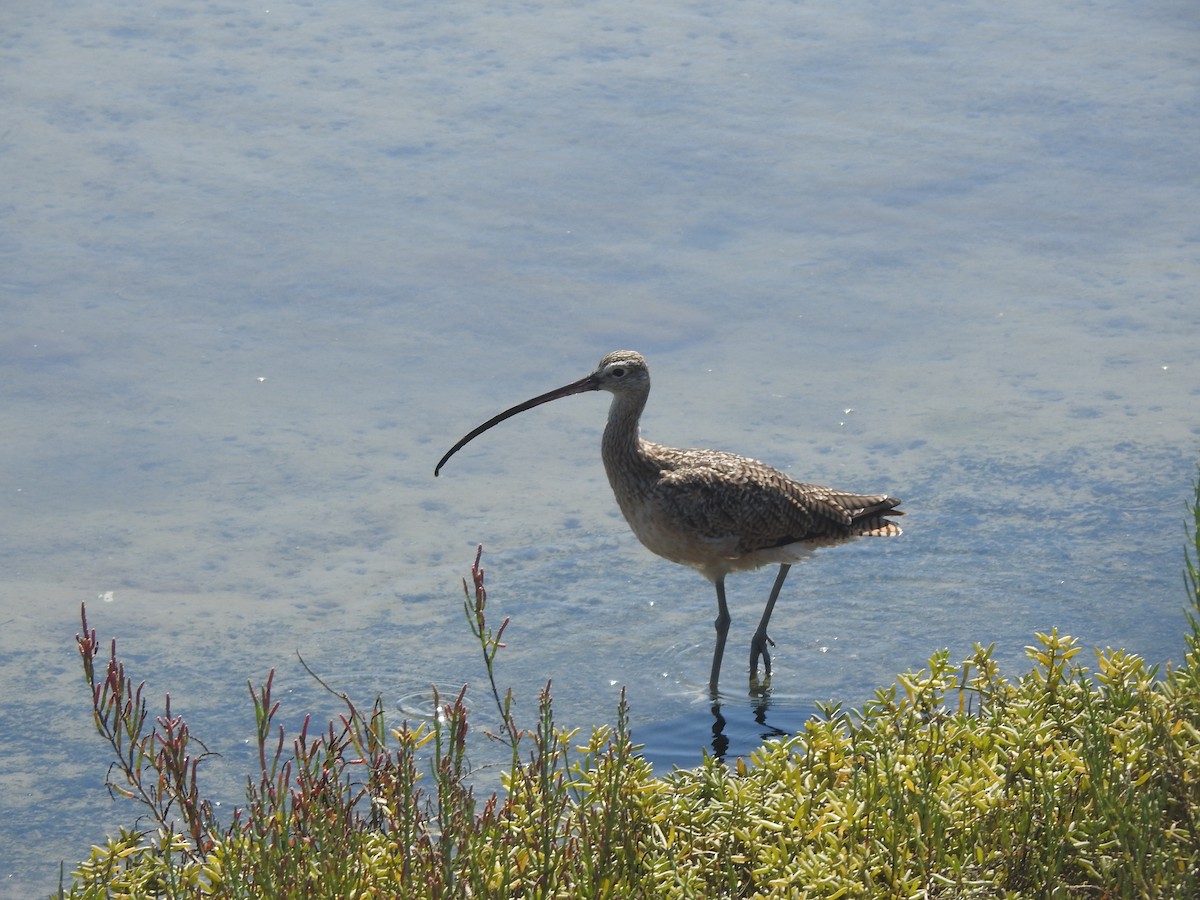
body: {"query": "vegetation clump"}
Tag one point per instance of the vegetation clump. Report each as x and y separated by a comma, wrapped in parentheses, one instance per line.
(1067, 781)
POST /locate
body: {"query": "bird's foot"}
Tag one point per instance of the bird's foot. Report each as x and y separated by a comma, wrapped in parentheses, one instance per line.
(760, 689)
(758, 648)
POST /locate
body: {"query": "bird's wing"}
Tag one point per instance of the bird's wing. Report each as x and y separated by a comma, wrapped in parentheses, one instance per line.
(721, 495)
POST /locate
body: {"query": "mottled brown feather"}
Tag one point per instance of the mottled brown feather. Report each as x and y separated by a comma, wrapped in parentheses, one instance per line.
(714, 510)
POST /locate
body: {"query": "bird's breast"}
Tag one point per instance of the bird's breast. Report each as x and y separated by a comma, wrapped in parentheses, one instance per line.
(662, 534)
(713, 556)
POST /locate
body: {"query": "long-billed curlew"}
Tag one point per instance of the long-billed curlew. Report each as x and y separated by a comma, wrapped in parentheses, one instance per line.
(717, 512)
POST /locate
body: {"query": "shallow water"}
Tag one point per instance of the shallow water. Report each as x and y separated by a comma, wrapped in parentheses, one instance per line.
(263, 266)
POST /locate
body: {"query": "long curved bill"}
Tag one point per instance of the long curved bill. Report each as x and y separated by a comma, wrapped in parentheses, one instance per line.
(590, 383)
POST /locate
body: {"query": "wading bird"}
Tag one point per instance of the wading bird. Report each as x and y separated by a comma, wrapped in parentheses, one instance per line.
(716, 512)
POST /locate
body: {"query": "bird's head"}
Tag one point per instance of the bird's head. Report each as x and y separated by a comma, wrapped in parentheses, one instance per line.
(621, 371)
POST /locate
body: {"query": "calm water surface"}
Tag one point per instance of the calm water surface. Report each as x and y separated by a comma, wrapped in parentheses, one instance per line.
(262, 266)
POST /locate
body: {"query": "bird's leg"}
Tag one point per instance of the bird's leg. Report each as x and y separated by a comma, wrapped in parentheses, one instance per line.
(758, 646)
(722, 626)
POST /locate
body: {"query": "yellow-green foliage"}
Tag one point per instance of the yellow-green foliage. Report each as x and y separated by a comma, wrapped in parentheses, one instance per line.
(953, 782)
(958, 783)
(1069, 781)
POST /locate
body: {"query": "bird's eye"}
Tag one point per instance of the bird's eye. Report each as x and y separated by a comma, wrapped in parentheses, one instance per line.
(618, 372)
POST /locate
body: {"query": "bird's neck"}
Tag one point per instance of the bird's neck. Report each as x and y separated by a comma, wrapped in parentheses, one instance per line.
(621, 447)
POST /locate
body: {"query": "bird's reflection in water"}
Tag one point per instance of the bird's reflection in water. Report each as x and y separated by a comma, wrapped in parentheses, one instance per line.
(760, 694)
(720, 742)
